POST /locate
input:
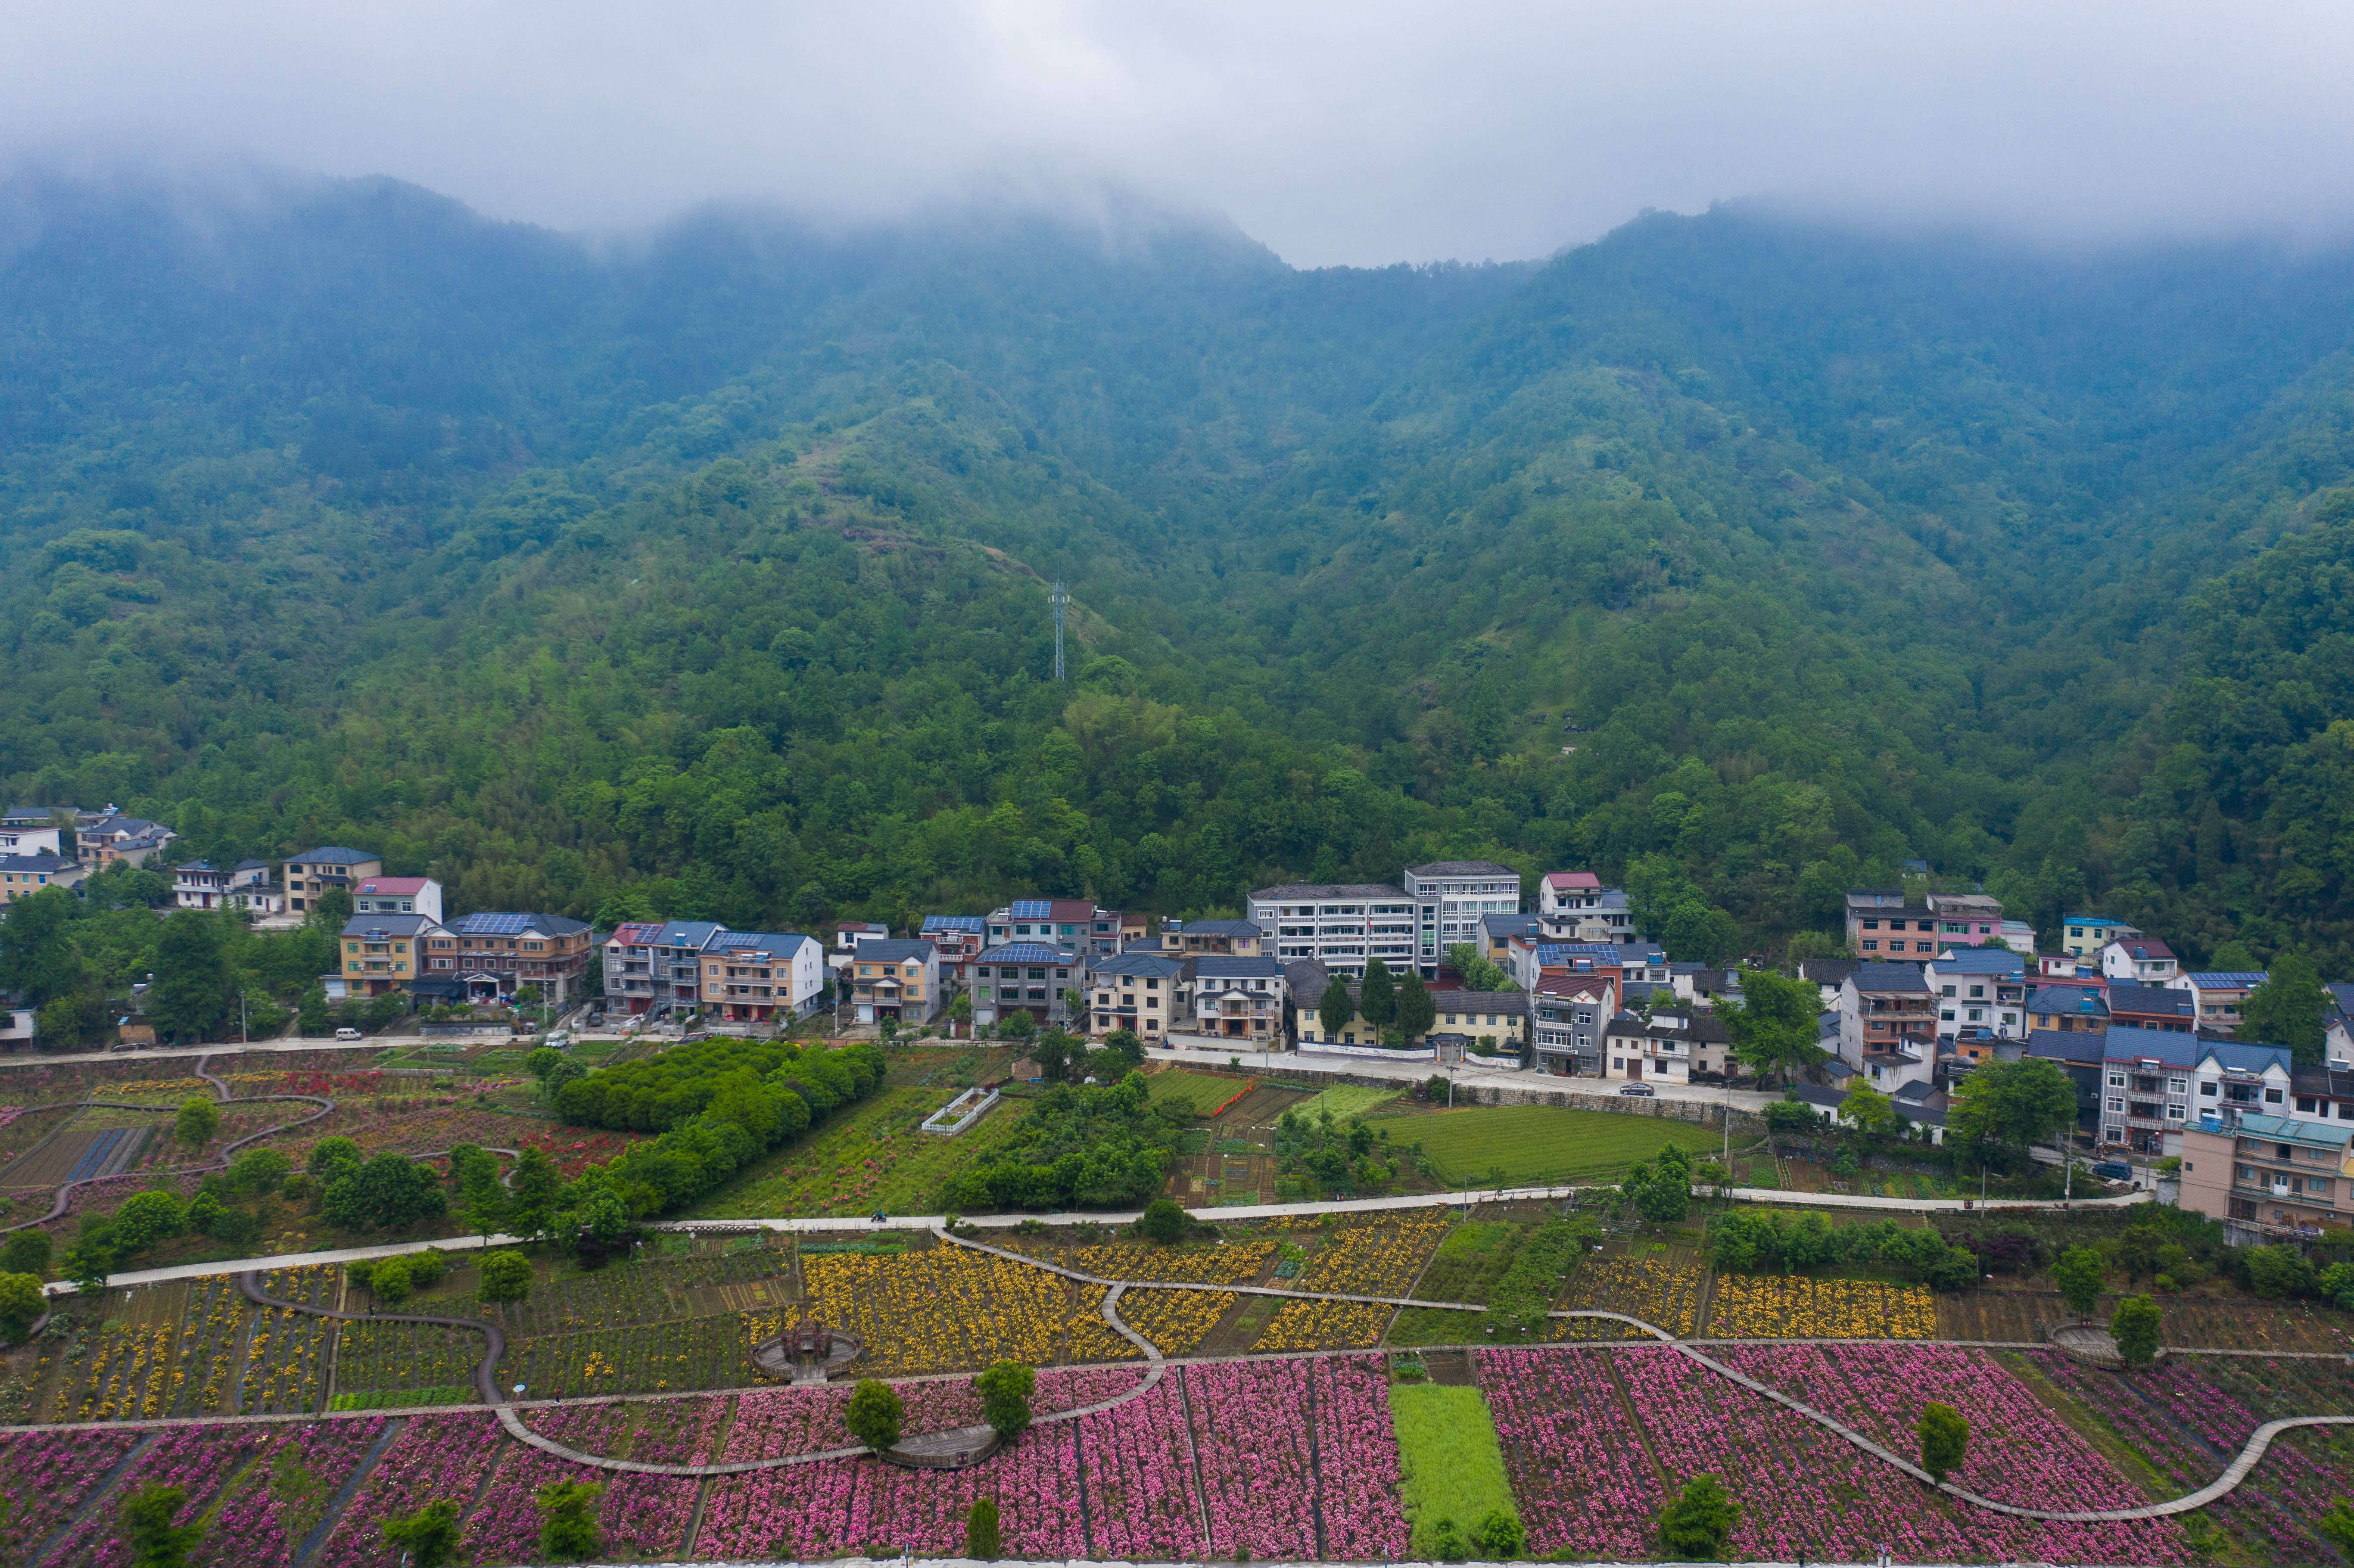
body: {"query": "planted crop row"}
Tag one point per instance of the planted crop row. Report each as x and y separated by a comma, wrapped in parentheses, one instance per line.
(652, 1358)
(948, 1308)
(389, 1356)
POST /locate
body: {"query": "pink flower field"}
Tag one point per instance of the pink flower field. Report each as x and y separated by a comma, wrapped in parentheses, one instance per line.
(1260, 1460)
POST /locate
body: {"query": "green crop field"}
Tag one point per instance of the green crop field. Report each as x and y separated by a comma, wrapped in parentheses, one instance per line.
(1203, 1091)
(1535, 1144)
(1345, 1100)
(872, 1158)
(1450, 1466)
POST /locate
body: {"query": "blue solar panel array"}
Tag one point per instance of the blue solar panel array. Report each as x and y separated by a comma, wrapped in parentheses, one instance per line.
(1025, 953)
(1033, 909)
(953, 923)
(493, 925)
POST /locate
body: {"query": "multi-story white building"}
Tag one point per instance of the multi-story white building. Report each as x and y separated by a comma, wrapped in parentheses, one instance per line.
(1340, 925)
(1451, 896)
(1238, 997)
(397, 896)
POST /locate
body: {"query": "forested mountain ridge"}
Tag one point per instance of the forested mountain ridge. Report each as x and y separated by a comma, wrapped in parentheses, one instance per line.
(706, 573)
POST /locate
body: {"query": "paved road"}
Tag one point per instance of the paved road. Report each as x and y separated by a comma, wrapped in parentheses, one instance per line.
(36, 1059)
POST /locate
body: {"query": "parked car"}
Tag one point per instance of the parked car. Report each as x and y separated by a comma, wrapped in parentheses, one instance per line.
(2114, 1170)
(347, 1033)
(1640, 1091)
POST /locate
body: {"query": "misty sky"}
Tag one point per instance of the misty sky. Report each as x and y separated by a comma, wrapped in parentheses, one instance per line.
(1364, 132)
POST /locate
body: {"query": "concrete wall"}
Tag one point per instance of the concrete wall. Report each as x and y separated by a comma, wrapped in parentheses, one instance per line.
(1701, 1113)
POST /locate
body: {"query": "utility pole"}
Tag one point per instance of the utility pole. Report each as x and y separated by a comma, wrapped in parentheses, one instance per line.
(1060, 597)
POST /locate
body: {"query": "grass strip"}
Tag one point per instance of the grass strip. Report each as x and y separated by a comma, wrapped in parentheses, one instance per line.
(1451, 1466)
(399, 1398)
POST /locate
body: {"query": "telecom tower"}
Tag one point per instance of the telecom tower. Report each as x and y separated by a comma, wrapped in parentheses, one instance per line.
(1060, 598)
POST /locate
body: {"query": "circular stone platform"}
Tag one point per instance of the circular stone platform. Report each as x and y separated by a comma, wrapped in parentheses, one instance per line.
(807, 1353)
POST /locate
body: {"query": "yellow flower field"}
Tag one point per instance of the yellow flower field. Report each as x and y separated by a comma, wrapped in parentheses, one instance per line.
(1377, 1259)
(1234, 1263)
(1793, 1306)
(1176, 1321)
(945, 1308)
(1659, 1290)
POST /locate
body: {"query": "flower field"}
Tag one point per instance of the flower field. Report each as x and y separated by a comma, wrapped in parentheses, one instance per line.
(1380, 1258)
(376, 1355)
(45, 1476)
(284, 1493)
(1176, 1321)
(1233, 1262)
(200, 1460)
(1557, 1413)
(429, 1456)
(947, 1309)
(1665, 1290)
(188, 1348)
(1798, 1307)
(1252, 1450)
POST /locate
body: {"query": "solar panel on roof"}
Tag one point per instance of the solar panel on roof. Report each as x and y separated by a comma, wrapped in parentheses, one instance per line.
(1033, 909)
(495, 925)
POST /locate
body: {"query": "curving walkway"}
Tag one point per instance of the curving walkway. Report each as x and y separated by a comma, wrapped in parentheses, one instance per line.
(484, 1383)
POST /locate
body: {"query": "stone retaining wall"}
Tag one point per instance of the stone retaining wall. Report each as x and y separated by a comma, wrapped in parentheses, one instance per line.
(1539, 1091)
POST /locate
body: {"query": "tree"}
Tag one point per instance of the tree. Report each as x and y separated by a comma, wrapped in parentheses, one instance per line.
(2337, 1527)
(980, 1542)
(1336, 1009)
(2291, 1008)
(198, 1122)
(1806, 944)
(1163, 1220)
(1124, 1044)
(37, 952)
(1053, 1055)
(505, 1277)
(1500, 1536)
(533, 1192)
(391, 1191)
(1478, 973)
(259, 1171)
(1416, 1012)
(2135, 1326)
(1004, 1392)
(567, 1521)
(147, 1218)
(430, 1536)
(875, 1415)
(1377, 998)
(1017, 1023)
(21, 1304)
(1774, 1026)
(1866, 1109)
(311, 1019)
(1698, 1522)
(2013, 1104)
(331, 1157)
(389, 1284)
(190, 998)
(331, 909)
(1944, 1436)
(2078, 1274)
(25, 1252)
(148, 1524)
(89, 1261)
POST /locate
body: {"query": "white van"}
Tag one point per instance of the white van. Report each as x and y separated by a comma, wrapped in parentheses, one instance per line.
(347, 1033)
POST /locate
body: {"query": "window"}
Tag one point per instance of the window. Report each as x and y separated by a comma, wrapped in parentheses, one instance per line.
(2117, 1108)
(2117, 1080)
(1977, 991)
(1872, 925)
(1871, 947)
(2208, 1091)
(1948, 991)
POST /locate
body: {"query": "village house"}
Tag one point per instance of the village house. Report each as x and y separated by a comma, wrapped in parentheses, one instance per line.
(383, 952)
(2069, 1008)
(2083, 935)
(1075, 923)
(1881, 925)
(2271, 1177)
(1571, 1015)
(2138, 961)
(1239, 997)
(199, 884)
(1492, 1022)
(1340, 925)
(1147, 993)
(890, 978)
(764, 977)
(22, 875)
(2218, 995)
(1888, 1025)
(1979, 987)
(315, 873)
(1199, 938)
(1667, 1048)
(2152, 1006)
(2156, 1082)
(958, 940)
(1027, 977)
(398, 895)
(102, 838)
(498, 952)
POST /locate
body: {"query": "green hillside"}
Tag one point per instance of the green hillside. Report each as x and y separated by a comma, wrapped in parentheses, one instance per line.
(707, 574)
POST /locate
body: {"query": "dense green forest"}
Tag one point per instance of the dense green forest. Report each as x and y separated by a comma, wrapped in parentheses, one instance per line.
(706, 573)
